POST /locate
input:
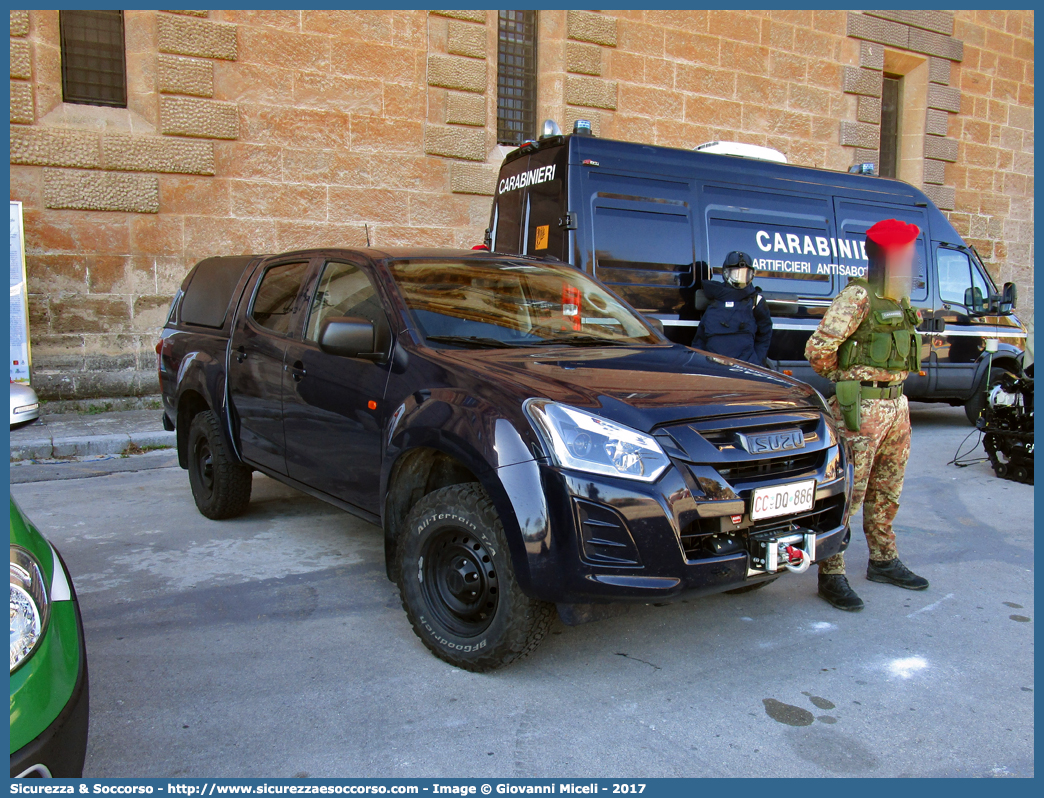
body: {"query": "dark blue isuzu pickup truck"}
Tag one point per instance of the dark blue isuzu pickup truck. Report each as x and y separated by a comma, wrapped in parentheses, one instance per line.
(522, 435)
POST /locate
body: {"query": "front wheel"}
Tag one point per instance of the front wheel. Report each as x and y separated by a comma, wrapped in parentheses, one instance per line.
(458, 586)
(220, 483)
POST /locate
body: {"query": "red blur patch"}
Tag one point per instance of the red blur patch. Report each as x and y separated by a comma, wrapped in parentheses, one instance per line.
(372, 405)
(892, 233)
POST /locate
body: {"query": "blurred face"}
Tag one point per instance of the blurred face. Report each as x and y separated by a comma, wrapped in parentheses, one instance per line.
(899, 268)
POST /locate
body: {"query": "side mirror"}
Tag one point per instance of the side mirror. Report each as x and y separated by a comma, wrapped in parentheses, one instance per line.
(348, 337)
(1009, 298)
(974, 302)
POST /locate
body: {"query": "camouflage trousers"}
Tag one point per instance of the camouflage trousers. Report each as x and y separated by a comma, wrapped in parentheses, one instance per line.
(880, 449)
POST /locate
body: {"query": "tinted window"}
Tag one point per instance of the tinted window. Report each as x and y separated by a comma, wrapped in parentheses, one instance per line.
(209, 290)
(855, 218)
(344, 290)
(507, 223)
(788, 238)
(955, 276)
(544, 236)
(276, 296)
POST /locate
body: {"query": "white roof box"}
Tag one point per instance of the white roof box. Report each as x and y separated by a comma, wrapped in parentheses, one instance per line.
(743, 150)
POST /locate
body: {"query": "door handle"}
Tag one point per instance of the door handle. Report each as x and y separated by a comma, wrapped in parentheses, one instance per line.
(241, 354)
(297, 371)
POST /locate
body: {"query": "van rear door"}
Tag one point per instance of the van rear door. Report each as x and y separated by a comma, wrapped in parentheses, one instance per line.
(854, 218)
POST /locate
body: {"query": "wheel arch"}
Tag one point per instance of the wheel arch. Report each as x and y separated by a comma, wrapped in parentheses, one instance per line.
(425, 468)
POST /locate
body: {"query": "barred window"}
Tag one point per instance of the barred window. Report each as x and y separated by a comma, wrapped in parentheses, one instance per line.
(891, 113)
(93, 58)
(516, 77)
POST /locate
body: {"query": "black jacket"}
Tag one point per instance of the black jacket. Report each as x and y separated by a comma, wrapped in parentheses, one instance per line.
(736, 323)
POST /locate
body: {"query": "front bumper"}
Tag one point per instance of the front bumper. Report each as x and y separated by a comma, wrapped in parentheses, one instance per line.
(60, 749)
(690, 532)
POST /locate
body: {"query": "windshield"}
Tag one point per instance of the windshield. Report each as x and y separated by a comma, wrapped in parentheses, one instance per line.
(493, 303)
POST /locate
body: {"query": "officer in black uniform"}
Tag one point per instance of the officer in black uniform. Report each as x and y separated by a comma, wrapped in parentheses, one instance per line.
(736, 321)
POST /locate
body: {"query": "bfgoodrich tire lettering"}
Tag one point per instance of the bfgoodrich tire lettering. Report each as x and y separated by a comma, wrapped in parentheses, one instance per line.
(220, 484)
(457, 584)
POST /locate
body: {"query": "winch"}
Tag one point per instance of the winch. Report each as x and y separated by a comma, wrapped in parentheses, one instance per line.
(794, 551)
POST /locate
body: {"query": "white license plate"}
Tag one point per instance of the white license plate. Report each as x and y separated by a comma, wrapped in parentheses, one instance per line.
(783, 499)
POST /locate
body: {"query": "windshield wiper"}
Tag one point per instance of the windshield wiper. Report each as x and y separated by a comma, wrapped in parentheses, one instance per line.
(473, 341)
(580, 340)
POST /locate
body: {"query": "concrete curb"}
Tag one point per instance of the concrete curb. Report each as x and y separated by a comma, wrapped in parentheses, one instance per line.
(117, 443)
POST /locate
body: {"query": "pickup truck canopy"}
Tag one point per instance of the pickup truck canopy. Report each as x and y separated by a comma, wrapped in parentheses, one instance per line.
(209, 289)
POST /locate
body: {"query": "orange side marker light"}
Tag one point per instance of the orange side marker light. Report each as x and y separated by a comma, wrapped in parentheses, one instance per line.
(372, 405)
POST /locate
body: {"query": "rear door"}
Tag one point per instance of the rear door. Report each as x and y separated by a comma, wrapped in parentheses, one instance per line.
(255, 369)
(854, 218)
(333, 406)
(957, 347)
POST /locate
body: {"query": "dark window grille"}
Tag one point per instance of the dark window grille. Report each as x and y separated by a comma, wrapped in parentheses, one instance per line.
(93, 64)
(890, 127)
(516, 77)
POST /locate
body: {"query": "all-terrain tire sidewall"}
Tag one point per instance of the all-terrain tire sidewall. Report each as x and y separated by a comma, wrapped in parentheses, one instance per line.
(230, 495)
(519, 622)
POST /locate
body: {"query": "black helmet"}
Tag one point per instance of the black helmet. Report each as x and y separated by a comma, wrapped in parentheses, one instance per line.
(737, 270)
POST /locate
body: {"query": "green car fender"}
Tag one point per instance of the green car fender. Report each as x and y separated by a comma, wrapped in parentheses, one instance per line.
(42, 685)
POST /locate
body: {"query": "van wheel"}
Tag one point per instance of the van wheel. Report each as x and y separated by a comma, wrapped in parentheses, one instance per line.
(973, 407)
(739, 591)
(458, 586)
(220, 483)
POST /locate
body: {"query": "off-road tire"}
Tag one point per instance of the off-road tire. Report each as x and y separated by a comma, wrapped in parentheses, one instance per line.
(739, 591)
(457, 528)
(973, 407)
(220, 483)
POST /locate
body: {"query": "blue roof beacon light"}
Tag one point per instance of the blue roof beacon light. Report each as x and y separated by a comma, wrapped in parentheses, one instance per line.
(582, 127)
(861, 169)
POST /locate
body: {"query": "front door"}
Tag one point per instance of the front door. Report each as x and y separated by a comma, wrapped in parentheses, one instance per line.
(255, 369)
(334, 406)
(958, 347)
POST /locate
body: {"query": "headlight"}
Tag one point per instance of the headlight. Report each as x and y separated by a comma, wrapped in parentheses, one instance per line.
(588, 442)
(30, 605)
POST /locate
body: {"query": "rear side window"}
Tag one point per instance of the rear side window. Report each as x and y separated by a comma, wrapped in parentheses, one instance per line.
(209, 290)
(855, 218)
(276, 296)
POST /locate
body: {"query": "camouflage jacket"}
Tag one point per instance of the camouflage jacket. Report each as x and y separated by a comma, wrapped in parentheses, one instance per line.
(842, 318)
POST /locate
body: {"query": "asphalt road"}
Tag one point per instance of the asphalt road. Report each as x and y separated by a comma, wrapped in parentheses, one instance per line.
(273, 645)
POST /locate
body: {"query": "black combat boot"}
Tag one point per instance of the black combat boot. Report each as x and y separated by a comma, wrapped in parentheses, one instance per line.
(893, 572)
(836, 591)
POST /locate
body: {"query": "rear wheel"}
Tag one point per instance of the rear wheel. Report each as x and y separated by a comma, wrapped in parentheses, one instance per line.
(458, 586)
(220, 483)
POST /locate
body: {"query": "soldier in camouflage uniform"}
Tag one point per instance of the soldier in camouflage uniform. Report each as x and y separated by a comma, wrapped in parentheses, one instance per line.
(867, 344)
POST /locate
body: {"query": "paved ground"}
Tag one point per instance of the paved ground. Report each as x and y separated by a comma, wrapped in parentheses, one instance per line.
(274, 645)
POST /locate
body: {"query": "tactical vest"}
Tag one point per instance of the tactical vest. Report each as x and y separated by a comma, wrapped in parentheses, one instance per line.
(721, 318)
(887, 338)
